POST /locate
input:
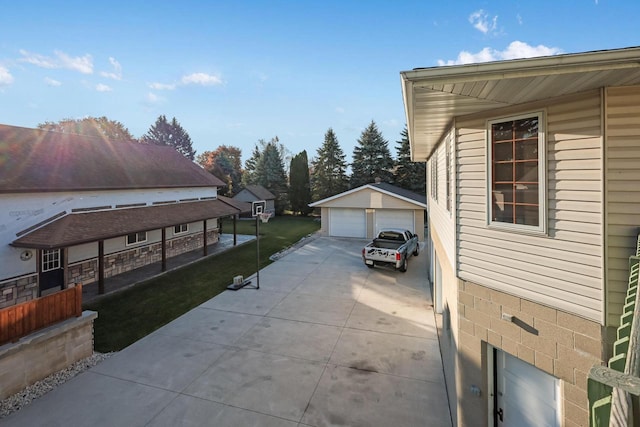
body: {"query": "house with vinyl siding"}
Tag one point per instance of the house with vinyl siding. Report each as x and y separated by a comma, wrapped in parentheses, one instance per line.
(533, 183)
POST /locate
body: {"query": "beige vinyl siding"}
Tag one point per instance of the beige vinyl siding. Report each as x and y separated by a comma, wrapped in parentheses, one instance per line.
(623, 190)
(441, 220)
(369, 199)
(562, 268)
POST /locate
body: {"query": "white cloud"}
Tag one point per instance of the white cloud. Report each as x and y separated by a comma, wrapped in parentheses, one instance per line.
(117, 70)
(201, 79)
(51, 82)
(103, 88)
(82, 64)
(5, 77)
(516, 49)
(519, 19)
(152, 98)
(162, 86)
(482, 22)
(340, 110)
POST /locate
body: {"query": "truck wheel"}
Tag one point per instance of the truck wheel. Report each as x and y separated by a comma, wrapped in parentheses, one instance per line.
(403, 267)
(417, 251)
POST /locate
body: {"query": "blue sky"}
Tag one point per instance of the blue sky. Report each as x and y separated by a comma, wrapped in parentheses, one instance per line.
(237, 71)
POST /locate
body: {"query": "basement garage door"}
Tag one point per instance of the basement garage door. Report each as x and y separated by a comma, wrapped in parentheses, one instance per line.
(394, 218)
(344, 222)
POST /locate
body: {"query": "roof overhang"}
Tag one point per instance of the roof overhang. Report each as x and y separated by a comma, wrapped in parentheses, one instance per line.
(321, 203)
(85, 227)
(433, 97)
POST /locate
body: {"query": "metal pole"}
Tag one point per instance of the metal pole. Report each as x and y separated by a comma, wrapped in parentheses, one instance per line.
(258, 252)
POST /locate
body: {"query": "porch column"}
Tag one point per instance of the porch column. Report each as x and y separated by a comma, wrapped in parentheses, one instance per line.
(204, 239)
(101, 267)
(65, 268)
(39, 269)
(164, 249)
(235, 234)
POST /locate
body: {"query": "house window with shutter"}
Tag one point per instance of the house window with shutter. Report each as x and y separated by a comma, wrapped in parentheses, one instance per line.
(516, 172)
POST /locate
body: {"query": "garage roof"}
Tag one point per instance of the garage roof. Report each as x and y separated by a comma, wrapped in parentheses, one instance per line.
(409, 196)
(434, 96)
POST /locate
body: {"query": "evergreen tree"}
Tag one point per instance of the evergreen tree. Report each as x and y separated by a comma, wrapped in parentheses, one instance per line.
(225, 163)
(299, 190)
(172, 134)
(371, 158)
(99, 127)
(329, 176)
(271, 175)
(409, 175)
(249, 176)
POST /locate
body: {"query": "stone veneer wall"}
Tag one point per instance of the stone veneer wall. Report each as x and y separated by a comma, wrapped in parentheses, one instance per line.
(18, 290)
(561, 344)
(86, 272)
(44, 352)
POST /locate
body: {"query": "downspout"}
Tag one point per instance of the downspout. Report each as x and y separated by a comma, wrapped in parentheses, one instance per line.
(605, 219)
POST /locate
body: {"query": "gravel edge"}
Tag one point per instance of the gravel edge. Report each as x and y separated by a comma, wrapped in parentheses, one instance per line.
(24, 397)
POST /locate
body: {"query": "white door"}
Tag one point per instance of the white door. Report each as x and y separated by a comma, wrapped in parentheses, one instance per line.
(394, 218)
(525, 396)
(346, 222)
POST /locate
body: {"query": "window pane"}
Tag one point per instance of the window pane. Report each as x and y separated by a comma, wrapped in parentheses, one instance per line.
(527, 215)
(526, 128)
(527, 171)
(527, 150)
(502, 212)
(502, 131)
(527, 194)
(142, 236)
(503, 192)
(503, 151)
(503, 172)
(131, 239)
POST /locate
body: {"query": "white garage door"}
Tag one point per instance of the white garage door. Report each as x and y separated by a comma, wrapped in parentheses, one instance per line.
(390, 218)
(345, 222)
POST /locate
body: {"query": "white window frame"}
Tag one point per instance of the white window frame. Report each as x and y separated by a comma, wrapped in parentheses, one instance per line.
(137, 238)
(50, 260)
(541, 228)
(180, 228)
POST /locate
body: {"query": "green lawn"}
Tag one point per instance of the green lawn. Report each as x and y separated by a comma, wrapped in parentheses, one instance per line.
(127, 316)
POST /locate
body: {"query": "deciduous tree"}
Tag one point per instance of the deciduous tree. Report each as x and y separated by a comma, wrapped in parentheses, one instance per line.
(225, 163)
(99, 127)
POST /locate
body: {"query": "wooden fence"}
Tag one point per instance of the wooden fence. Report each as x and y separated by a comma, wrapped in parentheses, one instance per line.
(22, 319)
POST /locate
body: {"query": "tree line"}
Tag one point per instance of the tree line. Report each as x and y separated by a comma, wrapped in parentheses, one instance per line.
(305, 181)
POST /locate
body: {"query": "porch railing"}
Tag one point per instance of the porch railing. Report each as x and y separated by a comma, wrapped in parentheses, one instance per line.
(614, 391)
(22, 319)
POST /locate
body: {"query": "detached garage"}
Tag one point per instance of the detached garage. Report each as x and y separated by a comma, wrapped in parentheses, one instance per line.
(365, 210)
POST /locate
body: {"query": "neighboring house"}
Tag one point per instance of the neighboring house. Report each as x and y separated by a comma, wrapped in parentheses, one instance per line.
(363, 211)
(534, 207)
(77, 209)
(254, 193)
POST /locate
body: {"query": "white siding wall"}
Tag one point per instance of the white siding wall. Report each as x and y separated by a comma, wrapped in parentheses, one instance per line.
(21, 211)
(562, 269)
(623, 191)
(441, 221)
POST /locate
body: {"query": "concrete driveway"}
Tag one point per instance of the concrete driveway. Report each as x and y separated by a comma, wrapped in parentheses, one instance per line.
(325, 341)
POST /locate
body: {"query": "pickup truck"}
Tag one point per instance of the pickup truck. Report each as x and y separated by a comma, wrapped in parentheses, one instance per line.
(391, 248)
